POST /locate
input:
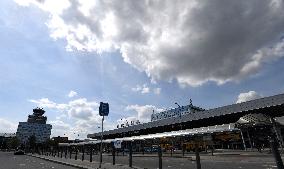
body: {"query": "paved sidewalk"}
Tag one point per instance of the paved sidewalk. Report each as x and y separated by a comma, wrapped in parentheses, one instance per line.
(82, 164)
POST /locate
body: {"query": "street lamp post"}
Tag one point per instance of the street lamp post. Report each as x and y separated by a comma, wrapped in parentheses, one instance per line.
(177, 104)
(101, 147)
(179, 110)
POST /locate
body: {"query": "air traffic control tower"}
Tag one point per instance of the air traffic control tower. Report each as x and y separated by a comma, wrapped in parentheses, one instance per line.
(35, 125)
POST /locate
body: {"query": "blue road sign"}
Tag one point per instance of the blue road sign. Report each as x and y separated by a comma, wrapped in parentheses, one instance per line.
(103, 109)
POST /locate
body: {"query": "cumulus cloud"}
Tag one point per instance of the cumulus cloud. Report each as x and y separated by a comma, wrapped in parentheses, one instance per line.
(157, 90)
(144, 89)
(72, 94)
(79, 108)
(7, 126)
(59, 125)
(44, 102)
(189, 41)
(83, 117)
(251, 95)
(64, 129)
(143, 113)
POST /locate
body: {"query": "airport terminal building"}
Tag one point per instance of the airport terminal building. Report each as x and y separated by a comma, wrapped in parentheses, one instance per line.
(238, 126)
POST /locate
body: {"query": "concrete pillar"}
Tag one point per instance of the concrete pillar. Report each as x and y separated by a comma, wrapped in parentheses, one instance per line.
(278, 134)
(275, 152)
(243, 140)
(249, 140)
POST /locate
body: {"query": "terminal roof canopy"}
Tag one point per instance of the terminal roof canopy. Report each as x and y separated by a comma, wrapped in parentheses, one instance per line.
(272, 106)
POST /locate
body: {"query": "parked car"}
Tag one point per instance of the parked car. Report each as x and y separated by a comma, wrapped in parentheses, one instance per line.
(19, 152)
(154, 148)
(147, 149)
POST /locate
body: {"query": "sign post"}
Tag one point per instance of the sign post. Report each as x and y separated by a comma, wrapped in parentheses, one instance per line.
(103, 111)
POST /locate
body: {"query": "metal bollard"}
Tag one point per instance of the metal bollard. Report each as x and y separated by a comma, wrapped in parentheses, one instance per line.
(198, 164)
(160, 157)
(91, 154)
(130, 154)
(83, 153)
(65, 152)
(70, 153)
(76, 154)
(113, 155)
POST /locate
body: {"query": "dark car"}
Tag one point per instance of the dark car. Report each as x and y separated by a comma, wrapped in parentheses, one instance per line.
(151, 149)
(19, 152)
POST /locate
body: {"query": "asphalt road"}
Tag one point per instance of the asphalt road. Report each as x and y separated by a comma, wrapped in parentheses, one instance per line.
(10, 161)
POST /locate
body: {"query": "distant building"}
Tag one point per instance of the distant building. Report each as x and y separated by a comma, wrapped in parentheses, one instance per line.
(5, 138)
(35, 125)
(7, 135)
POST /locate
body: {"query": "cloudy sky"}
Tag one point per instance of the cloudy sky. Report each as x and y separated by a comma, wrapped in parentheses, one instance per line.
(66, 56)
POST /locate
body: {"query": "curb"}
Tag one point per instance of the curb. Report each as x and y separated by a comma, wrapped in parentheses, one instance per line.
(152, 156)
(78, 166)
(60, 162)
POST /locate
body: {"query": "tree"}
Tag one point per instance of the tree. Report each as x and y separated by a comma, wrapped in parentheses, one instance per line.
(32, 141)
(13, 143)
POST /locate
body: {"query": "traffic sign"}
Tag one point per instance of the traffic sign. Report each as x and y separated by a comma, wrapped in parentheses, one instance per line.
(103, 109)
(117, 144)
